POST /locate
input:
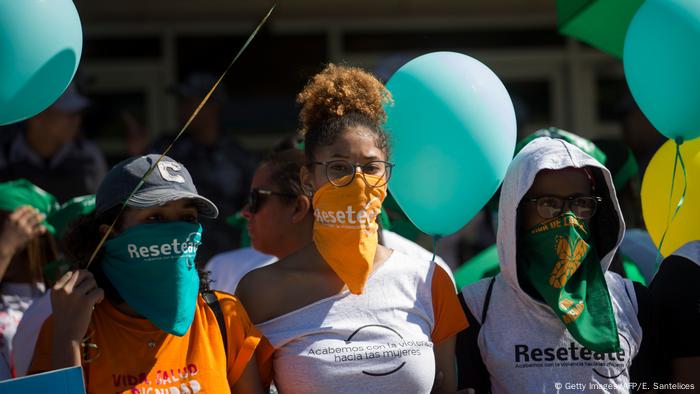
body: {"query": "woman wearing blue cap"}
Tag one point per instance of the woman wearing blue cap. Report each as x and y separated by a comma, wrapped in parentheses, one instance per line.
(155, 325)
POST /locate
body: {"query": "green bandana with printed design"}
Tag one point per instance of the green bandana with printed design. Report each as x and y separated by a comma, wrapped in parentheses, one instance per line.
(563, 267)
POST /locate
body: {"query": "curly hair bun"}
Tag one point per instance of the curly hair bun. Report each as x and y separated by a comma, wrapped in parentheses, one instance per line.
(339, 90)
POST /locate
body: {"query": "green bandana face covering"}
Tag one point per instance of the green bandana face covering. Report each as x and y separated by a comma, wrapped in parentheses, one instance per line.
(562, 265)
(152, 267)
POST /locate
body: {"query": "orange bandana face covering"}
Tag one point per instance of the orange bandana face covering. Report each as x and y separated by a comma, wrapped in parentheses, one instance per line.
(345, 228)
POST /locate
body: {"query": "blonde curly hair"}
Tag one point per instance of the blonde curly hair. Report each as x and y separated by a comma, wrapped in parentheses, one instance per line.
(339, 90)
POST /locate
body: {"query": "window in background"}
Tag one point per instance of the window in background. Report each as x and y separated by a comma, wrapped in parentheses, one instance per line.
(451, 40)
(144, 47)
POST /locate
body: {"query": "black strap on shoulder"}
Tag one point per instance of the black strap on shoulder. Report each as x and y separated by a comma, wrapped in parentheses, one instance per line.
(465, 308)
(213, 302)
(487, 300)
(471, 370)
(645, 367)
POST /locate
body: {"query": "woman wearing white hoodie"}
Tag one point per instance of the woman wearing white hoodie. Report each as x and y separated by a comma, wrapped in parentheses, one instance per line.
(558, 320)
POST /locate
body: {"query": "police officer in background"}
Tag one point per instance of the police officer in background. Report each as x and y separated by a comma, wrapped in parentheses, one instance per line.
(49, 150)
(223, 169)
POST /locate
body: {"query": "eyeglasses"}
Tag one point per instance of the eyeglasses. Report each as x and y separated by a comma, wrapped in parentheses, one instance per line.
(257, 198)
(548, 207)
(342, 172)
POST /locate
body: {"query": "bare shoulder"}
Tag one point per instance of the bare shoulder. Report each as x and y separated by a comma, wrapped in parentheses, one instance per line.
(287, 285)
(254, 281)
(259, 290)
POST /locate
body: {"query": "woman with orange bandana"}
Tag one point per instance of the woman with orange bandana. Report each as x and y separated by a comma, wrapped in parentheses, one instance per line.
(349, 315)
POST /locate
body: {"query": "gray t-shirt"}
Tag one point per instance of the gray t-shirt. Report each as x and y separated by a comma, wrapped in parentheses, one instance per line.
(527, 349)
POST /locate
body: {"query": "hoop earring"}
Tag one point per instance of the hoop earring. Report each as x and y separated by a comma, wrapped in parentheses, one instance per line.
(86, 344)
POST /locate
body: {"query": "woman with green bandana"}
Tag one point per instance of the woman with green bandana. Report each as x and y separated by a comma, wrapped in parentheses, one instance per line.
(555, 318)
(26, 246)
(141, 318)
(636, 256)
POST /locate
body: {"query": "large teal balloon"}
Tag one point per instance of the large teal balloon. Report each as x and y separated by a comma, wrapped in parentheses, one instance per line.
(40, 46)
(662, 65)
(453, 132)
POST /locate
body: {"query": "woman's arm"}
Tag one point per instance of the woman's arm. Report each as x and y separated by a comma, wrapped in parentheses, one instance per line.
(445, 366)
(685, 370)
(249, 381)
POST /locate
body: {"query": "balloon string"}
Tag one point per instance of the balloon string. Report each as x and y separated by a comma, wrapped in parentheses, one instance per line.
(670, 218)
(436, 238)
(179, 134)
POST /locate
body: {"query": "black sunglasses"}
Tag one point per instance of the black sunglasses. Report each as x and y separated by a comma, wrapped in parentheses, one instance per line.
(257, 198)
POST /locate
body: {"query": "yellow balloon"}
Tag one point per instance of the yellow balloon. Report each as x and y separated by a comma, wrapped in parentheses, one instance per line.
(656, 188)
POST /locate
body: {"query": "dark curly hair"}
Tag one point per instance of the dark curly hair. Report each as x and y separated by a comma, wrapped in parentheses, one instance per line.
(284, 166)
(338, 98)
(82, 238)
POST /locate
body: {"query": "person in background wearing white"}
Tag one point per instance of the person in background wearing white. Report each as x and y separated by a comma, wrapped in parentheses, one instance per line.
(279, 220)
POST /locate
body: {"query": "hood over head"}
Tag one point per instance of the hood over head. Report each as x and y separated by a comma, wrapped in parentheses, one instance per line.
(607, 226)
(690, 251)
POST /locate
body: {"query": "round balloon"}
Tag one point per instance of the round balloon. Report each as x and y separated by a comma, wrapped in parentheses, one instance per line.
(661, 61)
(452, 133)
(40, 46)
(656, 187)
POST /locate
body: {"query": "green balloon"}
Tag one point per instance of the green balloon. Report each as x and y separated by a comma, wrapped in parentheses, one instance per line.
(661, 61)
(452, 130)
(40, 46)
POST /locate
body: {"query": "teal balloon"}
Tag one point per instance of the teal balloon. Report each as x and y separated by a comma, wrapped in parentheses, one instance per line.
(662, 65)
(452, 134)
(40, 46)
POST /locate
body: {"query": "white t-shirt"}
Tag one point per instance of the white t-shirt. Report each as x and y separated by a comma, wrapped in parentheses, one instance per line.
(28, 331)
(380, 341)
(15, 299)
(408, 247)
(228, 268)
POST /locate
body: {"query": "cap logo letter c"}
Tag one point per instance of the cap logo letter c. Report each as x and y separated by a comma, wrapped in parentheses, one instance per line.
(165, 166)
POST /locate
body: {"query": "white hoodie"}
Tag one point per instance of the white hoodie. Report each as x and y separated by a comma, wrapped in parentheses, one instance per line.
(523, 344)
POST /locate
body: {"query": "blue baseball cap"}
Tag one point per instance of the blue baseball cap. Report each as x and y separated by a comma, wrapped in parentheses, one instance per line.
(71, 100)
(169, 181)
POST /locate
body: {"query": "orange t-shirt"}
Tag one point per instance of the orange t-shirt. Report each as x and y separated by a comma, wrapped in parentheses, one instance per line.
(449, 316)
(134, 356)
